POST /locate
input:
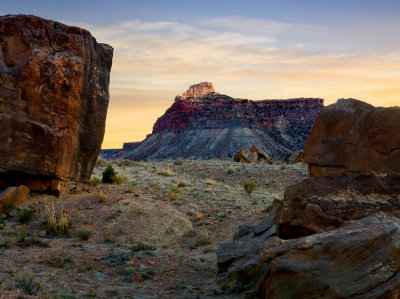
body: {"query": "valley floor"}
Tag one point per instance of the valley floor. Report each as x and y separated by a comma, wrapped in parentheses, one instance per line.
(135, 247)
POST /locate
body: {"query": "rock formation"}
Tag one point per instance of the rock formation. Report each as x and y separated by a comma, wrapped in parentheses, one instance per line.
(202, 124)
(338, 232)
(252, 156)
(354, 136)
(12, 196)
(53, 101)
(359, 260)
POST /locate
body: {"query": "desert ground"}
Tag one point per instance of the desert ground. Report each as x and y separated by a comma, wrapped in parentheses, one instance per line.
(154, 234)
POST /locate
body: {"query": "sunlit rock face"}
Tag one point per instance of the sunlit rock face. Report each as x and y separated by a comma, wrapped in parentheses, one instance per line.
(53, 101)
(203, 124)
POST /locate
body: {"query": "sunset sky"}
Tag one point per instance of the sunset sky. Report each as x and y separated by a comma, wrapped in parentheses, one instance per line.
(248, 49)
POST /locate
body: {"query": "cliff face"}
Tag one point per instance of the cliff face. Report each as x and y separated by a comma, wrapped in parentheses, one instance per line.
(202, 124)
(53, 101)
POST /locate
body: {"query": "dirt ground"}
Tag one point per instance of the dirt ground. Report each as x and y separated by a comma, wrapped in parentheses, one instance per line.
(134, 246)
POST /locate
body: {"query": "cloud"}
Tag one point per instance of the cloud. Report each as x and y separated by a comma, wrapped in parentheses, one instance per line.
(256, 59)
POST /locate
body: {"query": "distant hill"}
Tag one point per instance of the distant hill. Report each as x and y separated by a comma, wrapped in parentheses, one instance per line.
(203, 124)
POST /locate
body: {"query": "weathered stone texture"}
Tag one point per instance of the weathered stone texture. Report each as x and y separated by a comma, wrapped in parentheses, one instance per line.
(53, 100)
(351, 135)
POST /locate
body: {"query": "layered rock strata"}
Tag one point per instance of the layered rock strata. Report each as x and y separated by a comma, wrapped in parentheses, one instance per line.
(203, 124)
(53, 101)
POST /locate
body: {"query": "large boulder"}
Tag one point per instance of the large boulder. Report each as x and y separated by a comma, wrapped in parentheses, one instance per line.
(245, 156)
(354, 136)
(359, 260)
(324, 203)
(53, 101)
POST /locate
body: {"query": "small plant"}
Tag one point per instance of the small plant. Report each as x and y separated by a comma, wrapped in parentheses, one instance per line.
(282, 167)
(101, 197)
(148, 274)
(202, 240)
(108, 174)
(231, 169)
(119, 179)
(95, 181)
(84, 233)
(182, 185)
(125, 163)
(25, 215)
(178, 161)
(28, 283)
(166, 172)
(100, 162)
(56, 224)
(210, 182)
(208, 250)
(173, 193)
(108, 238)
(139, 246)
(249, 186)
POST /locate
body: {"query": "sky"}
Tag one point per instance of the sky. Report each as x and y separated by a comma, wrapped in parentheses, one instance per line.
(250, 49)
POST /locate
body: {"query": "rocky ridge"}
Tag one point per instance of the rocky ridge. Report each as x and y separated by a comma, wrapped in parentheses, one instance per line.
(336, 232)
(203, 124)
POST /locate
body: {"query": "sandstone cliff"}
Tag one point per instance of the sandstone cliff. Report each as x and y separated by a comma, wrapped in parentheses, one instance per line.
(53, 101)
(203, 124)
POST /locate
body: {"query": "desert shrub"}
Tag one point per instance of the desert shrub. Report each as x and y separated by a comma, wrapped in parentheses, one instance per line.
(101, 197)
(100, 162)
(231, 169)
(95, 181)
(25, 215)
(108, 174)
(210, 182)
(125, 163)
(28, 283)
(282, 167)
(178, 161)
(118, 179)
(181, 185)
(249, 186)
(84, 232)
(139, 246)
(165, 172)
(173, 193)
(202, 240)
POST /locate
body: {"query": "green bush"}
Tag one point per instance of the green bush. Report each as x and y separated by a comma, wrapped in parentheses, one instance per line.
(25, 215)
(249, 186)
(108, 174)
(95, 181)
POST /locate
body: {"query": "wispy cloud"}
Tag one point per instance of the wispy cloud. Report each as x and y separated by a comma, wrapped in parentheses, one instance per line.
(246, 58)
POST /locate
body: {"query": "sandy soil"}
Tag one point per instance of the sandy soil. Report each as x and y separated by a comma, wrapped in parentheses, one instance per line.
(136, 249)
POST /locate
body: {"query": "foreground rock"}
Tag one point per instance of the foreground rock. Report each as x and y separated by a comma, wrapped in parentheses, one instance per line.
(324, 203)
(354, 136)
(203, 124)
(12, 196)
(53, 101)
(358, 260)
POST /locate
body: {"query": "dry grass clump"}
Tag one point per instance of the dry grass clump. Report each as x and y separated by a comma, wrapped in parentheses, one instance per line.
(249, 186)
(95, 181)
(84, 232)
(101, 197)
(209, 181)
(56, 224)
(230, 170)
(100, 162)
(173, 193)
(165, 172)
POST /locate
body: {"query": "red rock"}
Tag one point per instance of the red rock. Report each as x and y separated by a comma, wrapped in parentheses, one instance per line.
(324, 203)
(245, 156)
(296, 157)
(203, 124)
(138, 277)
(53, 101)
(12, 196)
(358, 260)
(354, 136)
